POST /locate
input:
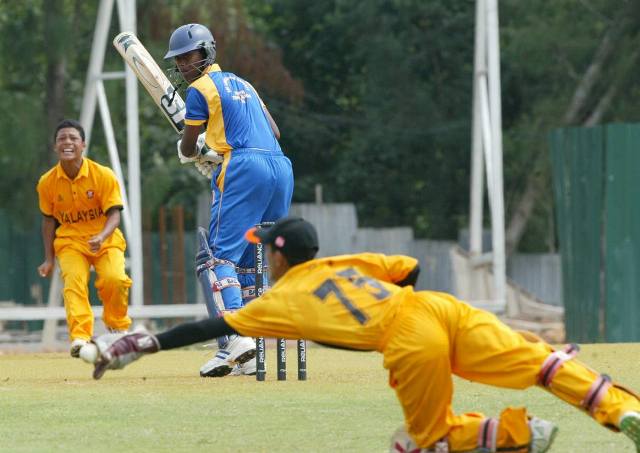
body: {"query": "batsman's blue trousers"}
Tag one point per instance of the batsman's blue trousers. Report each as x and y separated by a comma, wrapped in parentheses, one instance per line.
(249, 187)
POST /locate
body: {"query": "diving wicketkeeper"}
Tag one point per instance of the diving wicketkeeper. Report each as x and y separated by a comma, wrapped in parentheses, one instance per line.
(366, 302)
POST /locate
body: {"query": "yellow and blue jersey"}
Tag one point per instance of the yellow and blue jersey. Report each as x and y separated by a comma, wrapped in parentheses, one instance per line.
(232, 111)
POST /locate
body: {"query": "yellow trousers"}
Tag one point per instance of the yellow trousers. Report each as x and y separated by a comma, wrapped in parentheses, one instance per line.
(112, 283)
(436, 336)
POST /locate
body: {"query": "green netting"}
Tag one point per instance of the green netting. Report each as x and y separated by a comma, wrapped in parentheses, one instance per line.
(20, 255)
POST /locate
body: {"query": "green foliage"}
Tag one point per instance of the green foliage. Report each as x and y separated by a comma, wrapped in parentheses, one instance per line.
(373, 98)
(386, 115)
(387, 86)
(546, 51)
(61, 31)
(21, 102)
(25, 151)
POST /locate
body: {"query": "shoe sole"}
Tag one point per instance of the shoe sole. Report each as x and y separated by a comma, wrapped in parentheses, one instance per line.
(220, 371)
(224, 370)
(245, 356)
(630, 426)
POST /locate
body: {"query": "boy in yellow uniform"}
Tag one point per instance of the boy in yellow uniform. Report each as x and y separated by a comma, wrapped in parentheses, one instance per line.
(366, 302)
(81, 202)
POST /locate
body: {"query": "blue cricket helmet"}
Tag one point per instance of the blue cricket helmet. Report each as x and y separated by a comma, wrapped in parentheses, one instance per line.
(192, 37)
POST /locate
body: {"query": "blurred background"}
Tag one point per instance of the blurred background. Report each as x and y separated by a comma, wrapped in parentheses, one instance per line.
(374, 102)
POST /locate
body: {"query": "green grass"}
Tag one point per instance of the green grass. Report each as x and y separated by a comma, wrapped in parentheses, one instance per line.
(48, 403)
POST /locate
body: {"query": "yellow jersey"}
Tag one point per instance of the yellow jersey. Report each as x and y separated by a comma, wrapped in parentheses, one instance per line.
(80, 204)
(348, 301)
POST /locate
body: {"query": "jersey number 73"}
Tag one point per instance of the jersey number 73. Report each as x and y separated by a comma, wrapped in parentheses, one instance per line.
(372, 286)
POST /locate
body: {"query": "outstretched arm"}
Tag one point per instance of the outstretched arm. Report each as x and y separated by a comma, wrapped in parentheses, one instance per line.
(400, 270)
(194, 332)
(118, 351)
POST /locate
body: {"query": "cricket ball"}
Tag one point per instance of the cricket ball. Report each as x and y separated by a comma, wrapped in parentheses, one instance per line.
(89, 353)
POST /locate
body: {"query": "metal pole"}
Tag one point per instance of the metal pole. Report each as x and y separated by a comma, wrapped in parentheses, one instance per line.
(96, 61)
(477, 173)
(127, 18)
(495, 106)
(113, 152)
(87, 114)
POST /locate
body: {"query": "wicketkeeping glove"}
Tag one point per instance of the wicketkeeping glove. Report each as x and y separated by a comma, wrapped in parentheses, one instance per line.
(119, 350)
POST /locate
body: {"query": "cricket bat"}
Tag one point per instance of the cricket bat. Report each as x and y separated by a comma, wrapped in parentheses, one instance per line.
(152, 78)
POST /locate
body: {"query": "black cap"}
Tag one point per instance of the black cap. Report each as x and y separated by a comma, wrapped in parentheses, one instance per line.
(296, 238)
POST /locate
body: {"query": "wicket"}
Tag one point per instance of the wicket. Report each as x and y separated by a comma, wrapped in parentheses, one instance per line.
(281, 348)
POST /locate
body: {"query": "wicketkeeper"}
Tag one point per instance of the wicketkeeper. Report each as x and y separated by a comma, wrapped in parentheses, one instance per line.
(367, 302)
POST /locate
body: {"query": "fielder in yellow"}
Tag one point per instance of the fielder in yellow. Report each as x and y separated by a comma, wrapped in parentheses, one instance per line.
(367, 302)
(81, 202)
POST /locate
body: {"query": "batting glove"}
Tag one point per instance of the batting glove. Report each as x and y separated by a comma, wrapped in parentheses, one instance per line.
(202, 152)
(119, 350)
(211, 156)
(184, 159)
(200, 145)
(205, 168)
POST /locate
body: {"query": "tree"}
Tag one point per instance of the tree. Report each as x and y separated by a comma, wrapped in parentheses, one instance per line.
(373, 98)
(45, 58)
(22, 141)
(385, 117)
(385, 111)
(579, 87)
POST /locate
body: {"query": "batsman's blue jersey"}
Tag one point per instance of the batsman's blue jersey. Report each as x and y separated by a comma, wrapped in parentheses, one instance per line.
(232, 110)
(253, 184)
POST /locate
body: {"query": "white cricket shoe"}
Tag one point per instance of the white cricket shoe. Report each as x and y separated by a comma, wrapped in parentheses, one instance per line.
(630, 426)
(543, 433)
(239, 350)
(76, 345)
(247, 368)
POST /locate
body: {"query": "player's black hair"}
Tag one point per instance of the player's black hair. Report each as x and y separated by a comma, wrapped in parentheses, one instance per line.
(69, 123)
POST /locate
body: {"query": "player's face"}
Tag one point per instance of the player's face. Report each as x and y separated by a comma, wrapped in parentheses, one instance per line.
(69, 144)
(278, 265)
(191, 65)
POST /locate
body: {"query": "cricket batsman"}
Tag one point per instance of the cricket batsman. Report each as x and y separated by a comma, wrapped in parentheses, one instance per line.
(366, 302)
(253, 184)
